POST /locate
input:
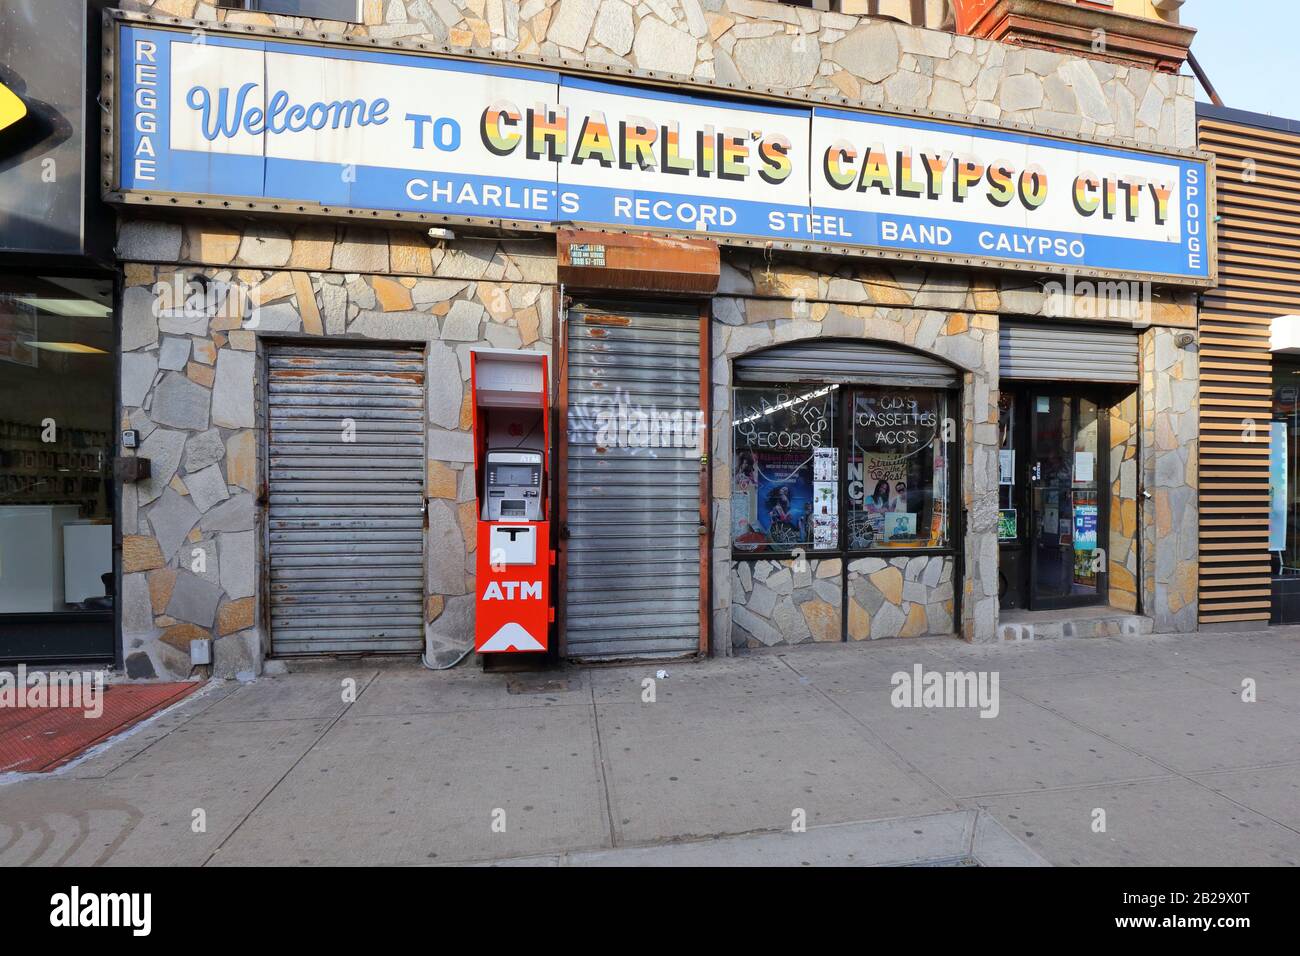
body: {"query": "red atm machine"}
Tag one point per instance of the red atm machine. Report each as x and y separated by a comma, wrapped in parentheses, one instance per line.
(513, 612)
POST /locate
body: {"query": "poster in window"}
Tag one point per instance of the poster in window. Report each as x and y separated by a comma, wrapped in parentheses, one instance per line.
(826, 464)
(1050, 520)
(1008, 528)
(1083, 467)
(1277, 459)
(1085, 527)
(778, 507)
(778, 434)
(825, 532)
(884, 480)
(1006, 466)
(898, 524)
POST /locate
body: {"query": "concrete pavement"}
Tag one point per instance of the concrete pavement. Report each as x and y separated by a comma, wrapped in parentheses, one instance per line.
(574, 767)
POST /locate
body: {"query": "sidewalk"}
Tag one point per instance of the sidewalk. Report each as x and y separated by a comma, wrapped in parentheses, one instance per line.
(1150, 730)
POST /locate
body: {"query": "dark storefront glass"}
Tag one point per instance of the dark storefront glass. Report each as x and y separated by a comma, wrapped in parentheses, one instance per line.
(898, 472)
(799, 480)
(56, 427)
(1064, 497)
(781, 472)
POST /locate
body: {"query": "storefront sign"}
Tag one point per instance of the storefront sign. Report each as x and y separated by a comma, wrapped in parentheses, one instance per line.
(48, 142)
(366, 130)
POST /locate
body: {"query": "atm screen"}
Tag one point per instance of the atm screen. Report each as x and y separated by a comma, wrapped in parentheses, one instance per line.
(512, 475)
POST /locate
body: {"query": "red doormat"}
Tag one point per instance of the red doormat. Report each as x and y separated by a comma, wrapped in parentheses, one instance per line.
(39, 739)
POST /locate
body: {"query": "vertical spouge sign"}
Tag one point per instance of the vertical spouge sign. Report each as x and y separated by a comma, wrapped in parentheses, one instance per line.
(310, 125)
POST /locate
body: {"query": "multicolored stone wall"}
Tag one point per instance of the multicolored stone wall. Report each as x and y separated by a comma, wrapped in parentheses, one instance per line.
(767, 303)
(904, 596)
(764, 44)
(1122, 549)
(189, 388)
(759, 44)
(191, 552)
(788, 601)
(1170, 386)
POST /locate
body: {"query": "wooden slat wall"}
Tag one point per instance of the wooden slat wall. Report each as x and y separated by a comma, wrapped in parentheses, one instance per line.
(1259, 279)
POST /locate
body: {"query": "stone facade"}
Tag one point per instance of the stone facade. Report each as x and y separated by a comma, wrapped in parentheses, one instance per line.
(189, 384)
(1170, 385)
(792, 601)
(192, 557)
(906, 596)
(764, 45)
(1122, 549)
(774, 304)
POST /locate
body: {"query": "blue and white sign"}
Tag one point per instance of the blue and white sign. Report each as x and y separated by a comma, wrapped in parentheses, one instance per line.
(261, 119)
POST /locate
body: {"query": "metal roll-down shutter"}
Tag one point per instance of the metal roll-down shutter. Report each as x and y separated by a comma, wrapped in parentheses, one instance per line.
(1067, 353)
(346, 520)
(632, 556)
(846, 361)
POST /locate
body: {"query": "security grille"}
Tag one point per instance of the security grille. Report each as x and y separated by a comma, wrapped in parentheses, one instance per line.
(346, 484)
(1066, 353)
(847, 361)
(633, 484)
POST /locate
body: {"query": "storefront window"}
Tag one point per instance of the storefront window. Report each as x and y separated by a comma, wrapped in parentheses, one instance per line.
(56, 421)
(801, 481)
(785, 469)
(897, 469)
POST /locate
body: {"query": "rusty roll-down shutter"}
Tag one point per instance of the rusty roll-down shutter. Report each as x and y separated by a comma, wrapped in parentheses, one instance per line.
(633, 482)
(345, 527)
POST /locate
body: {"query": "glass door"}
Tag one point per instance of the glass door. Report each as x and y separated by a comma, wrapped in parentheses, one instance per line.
(1066, 515)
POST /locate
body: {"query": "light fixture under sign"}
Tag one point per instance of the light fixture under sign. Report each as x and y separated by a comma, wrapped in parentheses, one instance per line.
(72, 348)
(72, 308)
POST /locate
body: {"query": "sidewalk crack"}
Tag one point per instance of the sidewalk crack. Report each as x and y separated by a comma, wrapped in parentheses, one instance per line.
(895, 755)
(602, 764)
(293, 766)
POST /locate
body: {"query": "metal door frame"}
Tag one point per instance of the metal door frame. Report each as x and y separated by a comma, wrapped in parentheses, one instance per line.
(560, 336)
(262, 503)
(1101, 469)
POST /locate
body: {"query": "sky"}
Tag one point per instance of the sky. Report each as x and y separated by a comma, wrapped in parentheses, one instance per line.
(1248, 49)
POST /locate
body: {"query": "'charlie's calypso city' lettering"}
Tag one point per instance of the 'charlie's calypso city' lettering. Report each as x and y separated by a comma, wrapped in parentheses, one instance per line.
(922, 175)
(548, 133)
(634, 142)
